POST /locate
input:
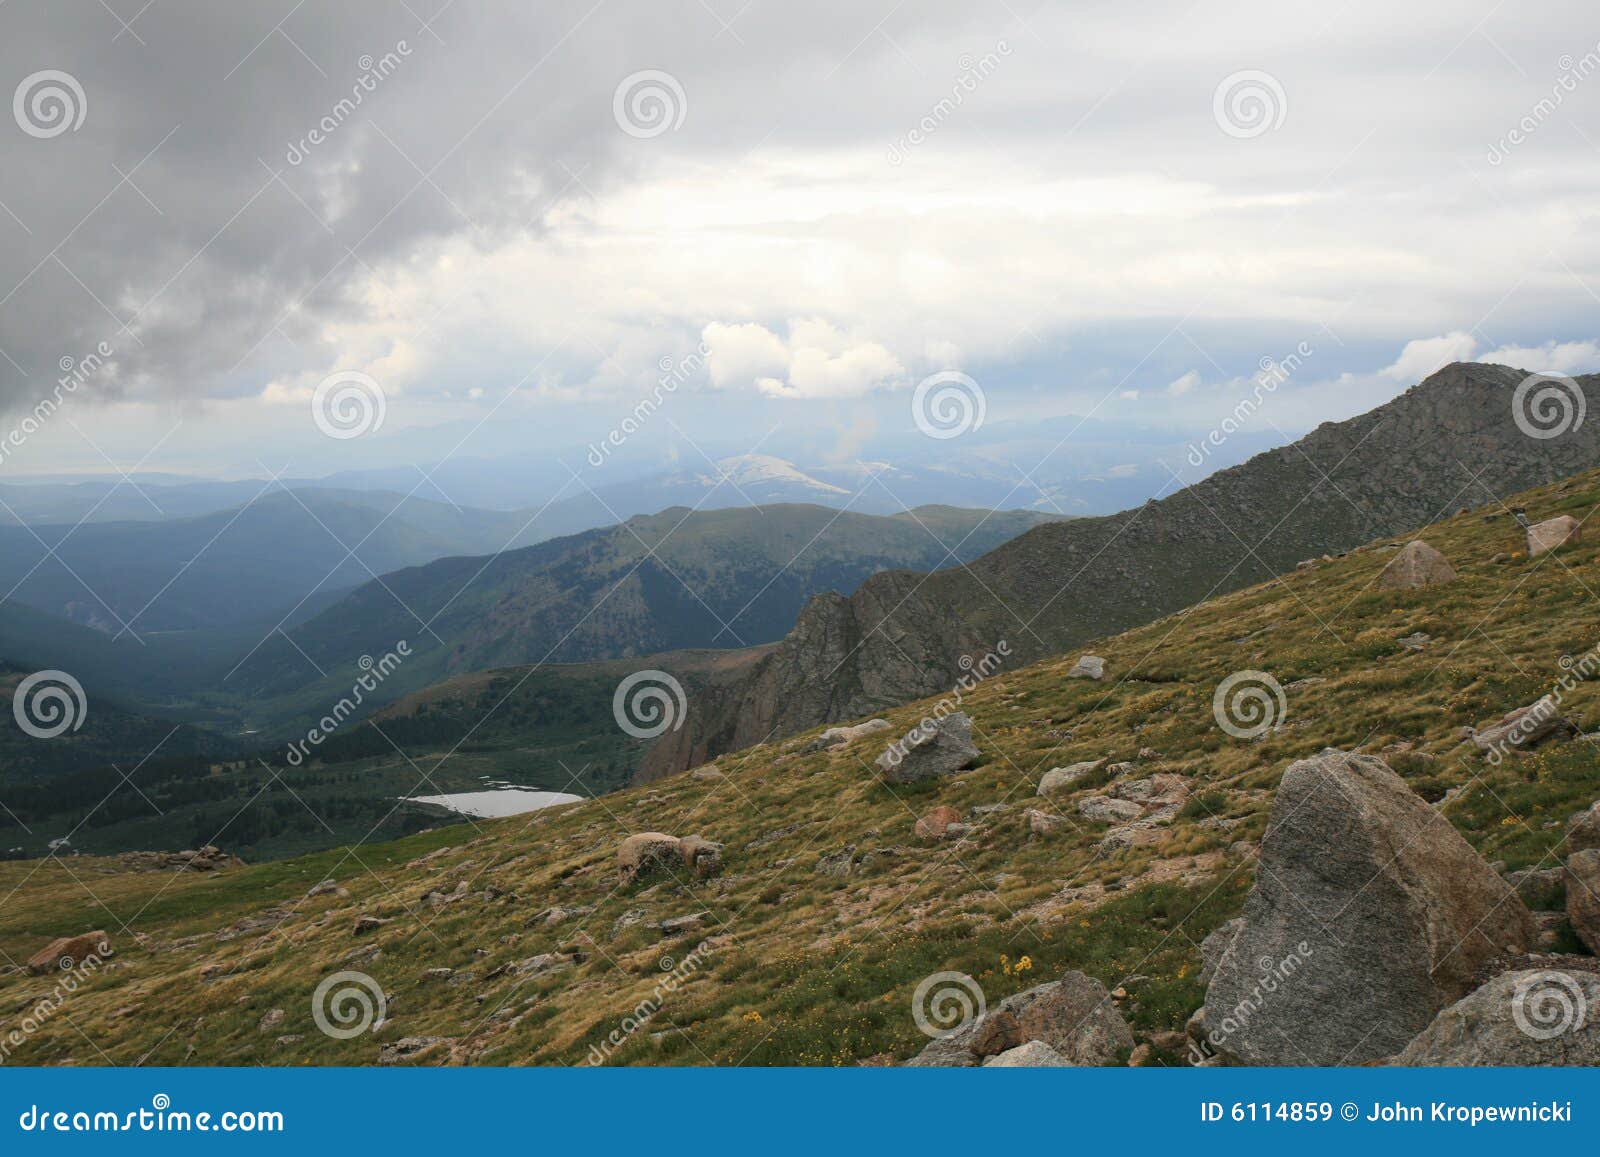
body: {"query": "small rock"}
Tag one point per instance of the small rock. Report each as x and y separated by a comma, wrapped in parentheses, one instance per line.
(1043, 823)
(1088, 667)
(1524, 728)
(934, 824)
(709, 774)
(365, 924)
(67, 952)
(839, 736)
(646, 852)
(270, 1021)
(1417, 565)
(1104, 809)
(1564, 530)
(1062, 778)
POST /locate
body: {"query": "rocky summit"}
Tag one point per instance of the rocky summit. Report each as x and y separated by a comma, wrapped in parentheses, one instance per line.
(902, 636)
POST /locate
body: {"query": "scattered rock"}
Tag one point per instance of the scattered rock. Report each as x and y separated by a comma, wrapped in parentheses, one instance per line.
(839, 736)
(935, 824)
(438, 974)
(1525, 1018)
(1043, 823)
(931, 749)
(678, 925)
(67, 952)
(1416, 641)
(270, 1021)
(1075, 1016)
(979, 810)
(701, 856)
(326, 888)
(1583, 898)
(1033, 1055)
(1373, 894)
(1105, 809)
(1583, 829)
(1564, 530)
(709, 774)
(1416, 565)
(1524, 728)
(407, 1047)
(365, 924)
(1088, 667)
(646, 852)
(1061, 778)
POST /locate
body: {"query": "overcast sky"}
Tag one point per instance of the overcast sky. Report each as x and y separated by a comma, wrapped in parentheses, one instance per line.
(530, 209)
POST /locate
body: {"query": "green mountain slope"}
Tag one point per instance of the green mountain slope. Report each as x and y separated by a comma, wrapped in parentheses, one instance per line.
(513, 941)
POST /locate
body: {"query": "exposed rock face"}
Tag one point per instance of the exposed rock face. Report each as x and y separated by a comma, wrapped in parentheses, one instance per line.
(931, 749)
(1073, 1017)
(1369, 914)
(1583, 899)
(646, 852)
(934, 824)
(67, 952)
(207, 859)
(1519, 1018)
(902, 636)
(1417, 565)
(1062, 778)
(1583, 830)
(1216, 945)
(1526, 727)
(1104, 809)
(1552, 534)
(1088, 667)
(1033, 1055)
(1076, 1017)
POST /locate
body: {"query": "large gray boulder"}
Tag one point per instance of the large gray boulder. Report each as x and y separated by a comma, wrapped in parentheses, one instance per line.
(1537, 1017)
(1583, 898)
(1416, 565)
(933, 748)
(1369, 914)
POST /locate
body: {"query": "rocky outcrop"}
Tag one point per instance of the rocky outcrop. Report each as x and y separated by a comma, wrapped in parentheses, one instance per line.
(1074, 1018)
(904, 636)
(1553, 534)
(1063, 778)
(67, 952)
(1368, 915)
(646, 852)
(933, 748)
(934, 825)
(1106, 810)
(1526, 1018)
(1524, 728)
(1583, 898)
(1416, 565)
(206, 859)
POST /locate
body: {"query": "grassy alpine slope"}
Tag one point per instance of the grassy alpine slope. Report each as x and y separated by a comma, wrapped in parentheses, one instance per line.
(790, 965)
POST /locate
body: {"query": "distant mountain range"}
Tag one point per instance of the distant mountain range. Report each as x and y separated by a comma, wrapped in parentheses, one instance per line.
(674, 580)
(1450, 442)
